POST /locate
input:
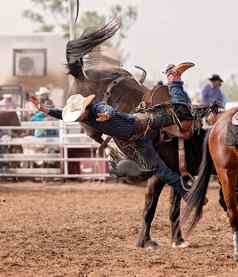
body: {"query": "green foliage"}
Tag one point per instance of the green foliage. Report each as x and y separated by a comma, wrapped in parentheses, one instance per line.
(52, 15)
(128, 15)
(90, 20)
(230, 88)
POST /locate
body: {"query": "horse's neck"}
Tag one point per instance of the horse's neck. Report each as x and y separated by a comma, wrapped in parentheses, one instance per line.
(87, 87)
(125, 96)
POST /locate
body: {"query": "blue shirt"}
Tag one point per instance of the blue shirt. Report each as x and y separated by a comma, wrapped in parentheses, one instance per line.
(120, 125)
(210, 95)
(178, 95)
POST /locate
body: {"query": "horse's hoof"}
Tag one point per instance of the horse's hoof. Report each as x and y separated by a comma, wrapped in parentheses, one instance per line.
(182, 244)
(235, 257)
(140, 243)
(151, 244)
(148, 244)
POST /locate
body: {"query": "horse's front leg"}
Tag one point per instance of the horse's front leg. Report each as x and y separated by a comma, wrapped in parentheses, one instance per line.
(174, 216)
(154, 188)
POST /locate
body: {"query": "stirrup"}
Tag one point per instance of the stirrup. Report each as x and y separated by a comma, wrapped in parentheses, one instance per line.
(189, 183)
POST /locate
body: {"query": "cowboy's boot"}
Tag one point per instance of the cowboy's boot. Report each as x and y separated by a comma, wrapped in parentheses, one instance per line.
(129, 168)
(174, 72)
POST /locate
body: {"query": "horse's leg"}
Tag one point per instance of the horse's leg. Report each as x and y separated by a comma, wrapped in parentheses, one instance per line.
(154, 188)
(228, 178)
(221, 200)
(174, 216)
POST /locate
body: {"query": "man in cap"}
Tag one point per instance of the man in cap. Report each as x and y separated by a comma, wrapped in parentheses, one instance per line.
(212, 93)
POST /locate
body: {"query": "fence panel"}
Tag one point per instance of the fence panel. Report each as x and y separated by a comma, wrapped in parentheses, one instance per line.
(71, 154)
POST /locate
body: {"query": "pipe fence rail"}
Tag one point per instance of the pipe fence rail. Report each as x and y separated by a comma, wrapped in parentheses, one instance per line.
(68, 153)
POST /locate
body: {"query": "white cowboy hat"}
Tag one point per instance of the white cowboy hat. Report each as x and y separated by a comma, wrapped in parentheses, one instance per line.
(42, 91)
(75, 106)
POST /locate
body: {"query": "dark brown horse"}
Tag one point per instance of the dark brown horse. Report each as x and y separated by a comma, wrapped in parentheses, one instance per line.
(118, 88)
(225, 159)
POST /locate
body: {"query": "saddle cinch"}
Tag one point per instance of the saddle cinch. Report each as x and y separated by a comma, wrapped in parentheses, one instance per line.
(160, 96)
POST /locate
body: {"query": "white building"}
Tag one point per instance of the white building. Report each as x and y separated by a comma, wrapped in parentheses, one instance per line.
(33, 61)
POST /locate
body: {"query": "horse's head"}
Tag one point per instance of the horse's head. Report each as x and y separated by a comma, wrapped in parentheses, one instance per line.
(116, 85)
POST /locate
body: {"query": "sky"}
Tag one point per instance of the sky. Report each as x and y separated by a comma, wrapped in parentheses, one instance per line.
(167, 31)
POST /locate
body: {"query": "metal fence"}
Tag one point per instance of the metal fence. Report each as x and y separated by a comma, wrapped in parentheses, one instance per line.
(69, 154)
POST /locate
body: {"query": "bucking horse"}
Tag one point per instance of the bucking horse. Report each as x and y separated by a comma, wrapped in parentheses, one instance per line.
(117, 87)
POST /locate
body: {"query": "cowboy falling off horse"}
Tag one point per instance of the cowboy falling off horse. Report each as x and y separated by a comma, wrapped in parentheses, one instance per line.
(135, 128)
(139, 130)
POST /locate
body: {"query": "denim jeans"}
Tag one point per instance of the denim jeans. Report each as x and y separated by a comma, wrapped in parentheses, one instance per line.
(148, 158)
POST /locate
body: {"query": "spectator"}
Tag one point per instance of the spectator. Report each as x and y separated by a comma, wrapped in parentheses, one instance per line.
(212, 93)
(29, 107)
(43, 95)
(7, 102)
(40, 116)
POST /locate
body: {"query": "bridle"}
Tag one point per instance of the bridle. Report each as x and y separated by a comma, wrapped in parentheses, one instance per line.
(108, 93)
(117, 80)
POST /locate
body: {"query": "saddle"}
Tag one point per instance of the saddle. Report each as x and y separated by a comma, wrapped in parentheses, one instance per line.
(183, 129)
(160, 96)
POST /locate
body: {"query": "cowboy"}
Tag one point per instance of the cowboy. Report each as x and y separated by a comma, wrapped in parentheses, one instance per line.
(43, 94)
(212, 93)
(132, 128)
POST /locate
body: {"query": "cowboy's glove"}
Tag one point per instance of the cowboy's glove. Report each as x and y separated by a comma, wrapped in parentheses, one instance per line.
(103, 117)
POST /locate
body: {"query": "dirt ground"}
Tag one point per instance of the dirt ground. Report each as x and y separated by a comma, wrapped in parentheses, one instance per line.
(90, 229)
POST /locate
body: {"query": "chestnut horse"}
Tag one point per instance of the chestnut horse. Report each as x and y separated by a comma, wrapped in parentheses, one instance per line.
(124, 93)
(225, 159)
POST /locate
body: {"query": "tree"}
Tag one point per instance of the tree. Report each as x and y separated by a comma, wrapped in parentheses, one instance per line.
(230, 88)
(53, 16)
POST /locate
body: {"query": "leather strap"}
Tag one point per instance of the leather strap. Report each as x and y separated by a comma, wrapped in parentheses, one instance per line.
(182, 160)
(108, 92)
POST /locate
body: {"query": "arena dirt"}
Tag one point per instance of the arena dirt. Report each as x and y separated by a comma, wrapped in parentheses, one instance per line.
(90, 229)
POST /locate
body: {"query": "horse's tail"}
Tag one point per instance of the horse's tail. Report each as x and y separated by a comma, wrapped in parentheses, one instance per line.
(197, 194)
(78, 48)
